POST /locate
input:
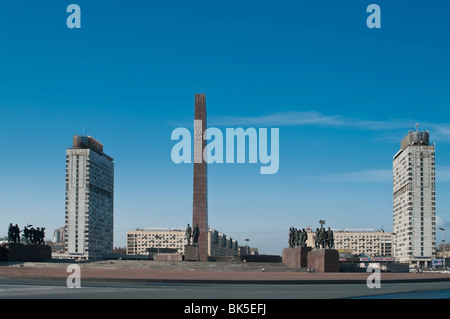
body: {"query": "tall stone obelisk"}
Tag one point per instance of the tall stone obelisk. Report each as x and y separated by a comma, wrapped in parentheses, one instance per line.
(200, 201)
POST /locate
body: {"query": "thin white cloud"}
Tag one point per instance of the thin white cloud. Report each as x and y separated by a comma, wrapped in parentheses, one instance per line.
(439, 132)
(390, 129)
(279, 119)
(306, 118)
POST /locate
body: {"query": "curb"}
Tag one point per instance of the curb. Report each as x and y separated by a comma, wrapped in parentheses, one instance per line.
(225, 281)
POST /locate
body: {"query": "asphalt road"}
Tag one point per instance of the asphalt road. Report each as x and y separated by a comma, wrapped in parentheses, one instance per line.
(51, 289)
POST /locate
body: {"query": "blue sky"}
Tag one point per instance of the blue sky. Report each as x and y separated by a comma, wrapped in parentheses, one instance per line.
(342, 95)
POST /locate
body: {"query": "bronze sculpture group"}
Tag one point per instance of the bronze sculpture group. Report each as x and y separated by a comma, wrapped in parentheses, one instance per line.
(297, 237)
(192, 234)
(322, 238)
(31, 235)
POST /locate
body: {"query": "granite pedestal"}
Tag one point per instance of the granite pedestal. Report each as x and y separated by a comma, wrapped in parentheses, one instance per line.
(191, 253)
(324, 260)
(22, 252)
(296, 257)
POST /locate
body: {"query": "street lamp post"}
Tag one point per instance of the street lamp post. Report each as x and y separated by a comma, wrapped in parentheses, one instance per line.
(443, 253)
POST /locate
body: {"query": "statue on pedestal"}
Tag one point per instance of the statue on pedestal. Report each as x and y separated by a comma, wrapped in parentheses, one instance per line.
(291, 237)
(297, 237)
(13, 234)
(317, 239)
(32, 236)
(323, 239)
(329, 238)
(195, 235)
(303, 238)
(188, 234)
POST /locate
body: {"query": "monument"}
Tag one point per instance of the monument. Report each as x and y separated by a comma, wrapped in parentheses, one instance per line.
(297, 254)
(198, 251)
(34, 248)
(322, 258)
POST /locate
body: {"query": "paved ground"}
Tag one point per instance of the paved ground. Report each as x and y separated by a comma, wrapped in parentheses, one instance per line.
(151, 271)
(188, 281)
(185, 293)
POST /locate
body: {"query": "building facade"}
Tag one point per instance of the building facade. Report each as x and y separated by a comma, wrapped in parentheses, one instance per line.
(220, 244)
(364, 242)
(140, 241)
(370, 243)
(89, 205)
(414, 200)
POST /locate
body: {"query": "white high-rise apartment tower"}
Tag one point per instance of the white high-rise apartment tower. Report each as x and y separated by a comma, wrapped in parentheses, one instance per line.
(89, 199)
(414, 200)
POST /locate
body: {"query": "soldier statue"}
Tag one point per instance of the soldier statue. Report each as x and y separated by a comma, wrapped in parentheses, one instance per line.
(322, 237)
(195, 234)
(41, 235)
(330, 238)
(26, 234)
(10, 233)
(188, 234)
(303, 238)
(14, 234)
(317, 239)
(291, 237)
